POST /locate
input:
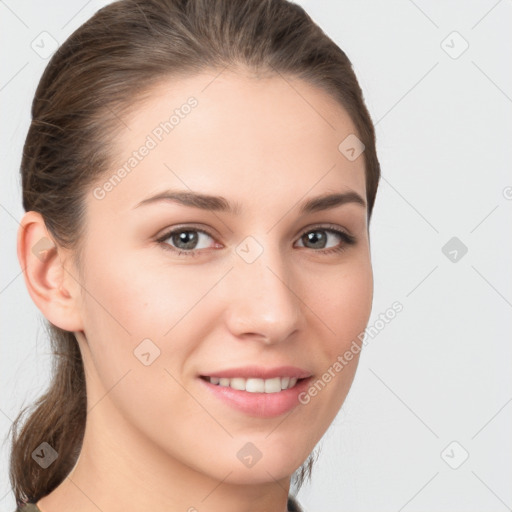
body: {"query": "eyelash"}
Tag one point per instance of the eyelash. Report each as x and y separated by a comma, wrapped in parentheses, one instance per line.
(346, 238)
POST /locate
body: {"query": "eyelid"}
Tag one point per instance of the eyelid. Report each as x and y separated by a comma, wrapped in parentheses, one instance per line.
(167, 232)
(327, 226)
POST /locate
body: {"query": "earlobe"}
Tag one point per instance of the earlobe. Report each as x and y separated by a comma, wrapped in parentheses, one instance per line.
(47, 276)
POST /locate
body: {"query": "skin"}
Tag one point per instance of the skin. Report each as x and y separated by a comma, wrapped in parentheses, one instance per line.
(155, 439)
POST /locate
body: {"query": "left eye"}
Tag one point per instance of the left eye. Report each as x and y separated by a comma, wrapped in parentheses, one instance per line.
(320, 242)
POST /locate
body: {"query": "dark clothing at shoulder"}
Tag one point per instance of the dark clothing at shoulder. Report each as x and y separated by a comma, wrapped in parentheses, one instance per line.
(293, 505)
(27, 507)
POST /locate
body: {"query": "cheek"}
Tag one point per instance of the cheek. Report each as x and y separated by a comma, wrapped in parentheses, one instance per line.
(138, 299)
(133, 316)
(343, 301)
(344, 306)
(135, 307)
(127, 304)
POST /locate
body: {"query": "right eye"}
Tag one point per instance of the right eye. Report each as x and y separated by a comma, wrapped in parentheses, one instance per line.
(185, 241)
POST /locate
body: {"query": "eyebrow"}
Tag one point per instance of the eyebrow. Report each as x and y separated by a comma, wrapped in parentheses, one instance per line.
(221, 204)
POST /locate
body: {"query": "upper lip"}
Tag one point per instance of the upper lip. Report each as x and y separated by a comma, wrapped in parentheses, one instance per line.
(261, 372)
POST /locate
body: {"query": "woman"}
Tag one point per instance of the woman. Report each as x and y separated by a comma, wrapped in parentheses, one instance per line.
(198, 180)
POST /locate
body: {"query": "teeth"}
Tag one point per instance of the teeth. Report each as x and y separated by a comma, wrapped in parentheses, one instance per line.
(255, 385)
(237, 384)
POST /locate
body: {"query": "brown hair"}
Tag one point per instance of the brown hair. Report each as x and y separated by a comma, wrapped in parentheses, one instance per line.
(95, 77)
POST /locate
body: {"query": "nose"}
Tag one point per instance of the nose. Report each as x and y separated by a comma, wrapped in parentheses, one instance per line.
(262, 303)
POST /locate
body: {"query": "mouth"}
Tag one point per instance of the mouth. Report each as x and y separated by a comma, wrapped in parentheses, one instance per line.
(255, 385)
(258, 391)
(256, 396)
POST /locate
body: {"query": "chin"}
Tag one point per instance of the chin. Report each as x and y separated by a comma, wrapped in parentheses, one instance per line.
(251, 466)
(258, 474)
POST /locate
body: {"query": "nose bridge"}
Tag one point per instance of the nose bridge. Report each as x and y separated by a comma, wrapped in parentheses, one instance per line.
(263, 302)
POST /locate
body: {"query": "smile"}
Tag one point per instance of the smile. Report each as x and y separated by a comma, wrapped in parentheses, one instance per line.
(254, 385)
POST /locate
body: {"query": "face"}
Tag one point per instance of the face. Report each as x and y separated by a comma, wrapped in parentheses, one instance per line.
(184, 291)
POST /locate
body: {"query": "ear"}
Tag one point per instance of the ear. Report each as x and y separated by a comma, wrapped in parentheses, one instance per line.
(51, 281)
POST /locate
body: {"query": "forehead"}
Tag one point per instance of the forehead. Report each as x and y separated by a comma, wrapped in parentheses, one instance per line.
(234, 134)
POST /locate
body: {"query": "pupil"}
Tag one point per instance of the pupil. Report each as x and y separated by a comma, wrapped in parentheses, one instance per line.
(182, 237)
(315, 238)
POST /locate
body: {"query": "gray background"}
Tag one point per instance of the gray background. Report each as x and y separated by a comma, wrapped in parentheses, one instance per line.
(435, 385)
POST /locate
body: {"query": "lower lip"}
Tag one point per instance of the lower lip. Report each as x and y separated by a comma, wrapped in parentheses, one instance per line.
(261, 405)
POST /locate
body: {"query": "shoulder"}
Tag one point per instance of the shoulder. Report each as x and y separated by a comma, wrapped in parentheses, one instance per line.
(293, 505)
(27, 507)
